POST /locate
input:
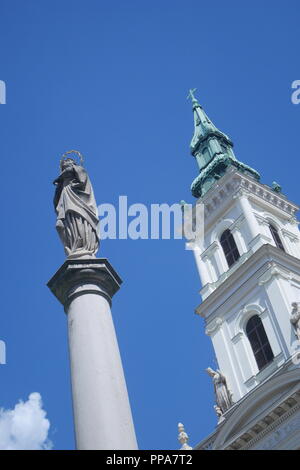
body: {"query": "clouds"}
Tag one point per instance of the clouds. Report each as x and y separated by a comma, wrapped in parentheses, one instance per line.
(26, 426)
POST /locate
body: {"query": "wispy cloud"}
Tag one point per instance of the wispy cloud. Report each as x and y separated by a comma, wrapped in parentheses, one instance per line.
(26, 426)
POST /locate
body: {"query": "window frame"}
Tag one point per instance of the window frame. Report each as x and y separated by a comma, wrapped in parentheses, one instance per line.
(231, 254)
(276, 237)
(259, 342)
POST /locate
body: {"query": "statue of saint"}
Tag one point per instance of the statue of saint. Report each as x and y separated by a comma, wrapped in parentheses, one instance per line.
(222, 393)
(77, 215)
(295, 318)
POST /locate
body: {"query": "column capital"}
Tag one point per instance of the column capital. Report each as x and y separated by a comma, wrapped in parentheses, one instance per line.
(81, 276)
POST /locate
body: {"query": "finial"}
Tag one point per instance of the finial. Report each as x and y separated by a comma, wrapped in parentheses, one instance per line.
(183, 203)
(276, 187)
(191, 94)
(183, 438)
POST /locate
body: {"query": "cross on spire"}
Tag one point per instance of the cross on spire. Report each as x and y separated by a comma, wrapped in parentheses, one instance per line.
(191, 94)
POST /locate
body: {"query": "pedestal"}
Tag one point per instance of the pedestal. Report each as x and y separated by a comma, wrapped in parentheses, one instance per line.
(101, 406)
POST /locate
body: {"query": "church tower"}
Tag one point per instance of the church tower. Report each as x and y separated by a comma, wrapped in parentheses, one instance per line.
(249, 267)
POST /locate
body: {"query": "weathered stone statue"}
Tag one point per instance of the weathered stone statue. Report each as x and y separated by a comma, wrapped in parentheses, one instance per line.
(183, 438)
(218, 411)
(222, 393)
(77, 215)
(295, 318)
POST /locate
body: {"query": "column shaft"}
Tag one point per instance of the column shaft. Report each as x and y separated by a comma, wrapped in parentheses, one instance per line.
(101, 407)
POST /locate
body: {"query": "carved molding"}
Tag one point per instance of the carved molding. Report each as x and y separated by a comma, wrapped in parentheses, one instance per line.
(243, 316)
(238, 185)
(237, 223)
(214, 326)
(274, 271)
(210, 250)
(271, 422)
(281, 429)
(241, 192)
(260, 219)
(293, 220)
(236, 338)
(291, 236)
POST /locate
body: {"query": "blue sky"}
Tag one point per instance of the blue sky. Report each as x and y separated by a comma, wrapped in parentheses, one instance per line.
(110, 79)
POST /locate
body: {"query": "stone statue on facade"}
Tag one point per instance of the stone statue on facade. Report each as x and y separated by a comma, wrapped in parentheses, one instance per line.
(77, 215)
(222, 393)
(218, 411)
(295, 318)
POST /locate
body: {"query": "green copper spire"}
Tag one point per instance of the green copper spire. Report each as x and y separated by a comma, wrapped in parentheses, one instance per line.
(213, 151)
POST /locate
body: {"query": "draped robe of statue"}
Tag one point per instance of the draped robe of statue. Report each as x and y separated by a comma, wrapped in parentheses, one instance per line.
(295, 318)
(77, 215)
(223, 397)
(222, 393)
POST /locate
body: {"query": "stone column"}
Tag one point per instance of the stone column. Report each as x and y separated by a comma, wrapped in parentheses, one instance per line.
(101, 406)
(202, 267)
(250, 218)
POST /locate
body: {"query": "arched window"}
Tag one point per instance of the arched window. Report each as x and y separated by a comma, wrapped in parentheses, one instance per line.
(276, 237)
(259, 342)
(230, 249)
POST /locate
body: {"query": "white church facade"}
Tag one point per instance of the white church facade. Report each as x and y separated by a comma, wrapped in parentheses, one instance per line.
(249, 267)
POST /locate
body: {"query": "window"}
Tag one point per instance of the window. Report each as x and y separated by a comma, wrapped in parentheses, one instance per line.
(229, 247)
(259, 342)
(206, 155)
(276, 237)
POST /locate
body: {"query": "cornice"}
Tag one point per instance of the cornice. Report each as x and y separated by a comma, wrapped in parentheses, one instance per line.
(215, 285)
(234, 184)
(268, 423)
(266, 256)
(274, 271)
(266, 193)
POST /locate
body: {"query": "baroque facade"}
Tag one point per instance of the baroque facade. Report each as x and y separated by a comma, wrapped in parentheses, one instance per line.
(248, 263)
